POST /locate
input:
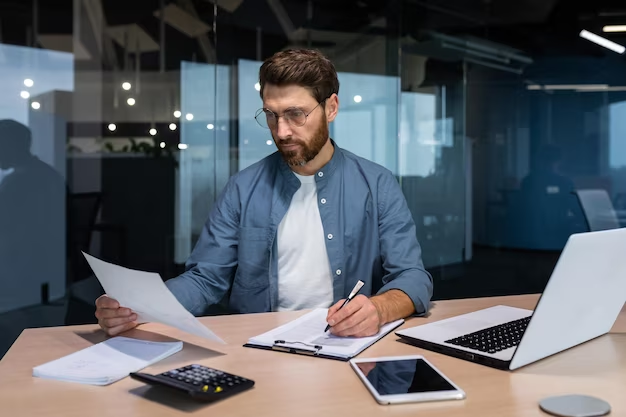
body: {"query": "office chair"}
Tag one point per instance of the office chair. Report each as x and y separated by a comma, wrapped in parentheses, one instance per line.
(598, 209)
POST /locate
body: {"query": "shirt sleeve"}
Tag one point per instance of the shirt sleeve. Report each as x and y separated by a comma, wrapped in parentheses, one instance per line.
(400, 250)
(210, 269)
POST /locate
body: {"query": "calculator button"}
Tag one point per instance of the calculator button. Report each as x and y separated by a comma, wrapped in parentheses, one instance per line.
(218, 389)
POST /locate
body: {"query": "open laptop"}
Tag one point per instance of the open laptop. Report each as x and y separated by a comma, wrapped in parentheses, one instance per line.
(585, 294)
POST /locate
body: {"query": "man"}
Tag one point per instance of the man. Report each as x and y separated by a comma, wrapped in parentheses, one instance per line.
(299, 228)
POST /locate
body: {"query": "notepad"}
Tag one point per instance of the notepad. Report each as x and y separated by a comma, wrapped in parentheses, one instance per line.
(108, 361)
(306, 335)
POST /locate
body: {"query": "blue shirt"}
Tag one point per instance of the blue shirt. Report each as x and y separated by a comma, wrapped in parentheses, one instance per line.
(370, 236)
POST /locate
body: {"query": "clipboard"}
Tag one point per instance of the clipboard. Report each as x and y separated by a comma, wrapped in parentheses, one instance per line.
(298, 351)
(314, 340)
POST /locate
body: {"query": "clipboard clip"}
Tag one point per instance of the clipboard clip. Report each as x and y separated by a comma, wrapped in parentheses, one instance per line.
(313, 352)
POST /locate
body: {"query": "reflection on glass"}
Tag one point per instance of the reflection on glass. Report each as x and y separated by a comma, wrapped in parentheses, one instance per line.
(32, 221)
(403, 376)
(34, 107)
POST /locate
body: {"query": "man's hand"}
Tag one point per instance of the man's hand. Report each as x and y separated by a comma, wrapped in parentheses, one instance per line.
(359, 318)
(112, 318)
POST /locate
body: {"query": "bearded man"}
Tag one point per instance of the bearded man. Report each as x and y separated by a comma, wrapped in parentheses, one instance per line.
(298, 229)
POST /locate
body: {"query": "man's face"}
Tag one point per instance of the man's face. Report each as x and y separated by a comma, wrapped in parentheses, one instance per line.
(297, 144)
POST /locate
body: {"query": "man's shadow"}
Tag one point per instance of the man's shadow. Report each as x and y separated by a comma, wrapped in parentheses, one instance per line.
(32, 219)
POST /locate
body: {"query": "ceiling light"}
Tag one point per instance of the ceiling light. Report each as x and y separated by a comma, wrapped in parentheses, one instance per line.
(153, 131)
(189, 116)
(210, 126)
(576, 87)
(357, 99)
(182, 146)
(126, 85)
(614, 28)
(269, 142)
(112, 127)
(35, 105)
(615, 47)
(131, 101)
(172, 126)
(24, 94)
(177, 114)
(28, 82)
(162, 145)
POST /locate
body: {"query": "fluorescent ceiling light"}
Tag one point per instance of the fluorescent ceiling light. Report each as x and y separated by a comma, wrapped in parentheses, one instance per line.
(600, 90)
(576, 87)
(614, 28)
(615, 47)
(580, 87)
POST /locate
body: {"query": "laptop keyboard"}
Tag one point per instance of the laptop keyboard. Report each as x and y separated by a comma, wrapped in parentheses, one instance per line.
(494, 339)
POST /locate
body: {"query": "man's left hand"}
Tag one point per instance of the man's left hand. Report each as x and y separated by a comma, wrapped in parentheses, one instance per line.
(359, 318)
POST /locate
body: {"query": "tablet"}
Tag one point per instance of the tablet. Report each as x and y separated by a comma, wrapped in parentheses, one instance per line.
(405, 379)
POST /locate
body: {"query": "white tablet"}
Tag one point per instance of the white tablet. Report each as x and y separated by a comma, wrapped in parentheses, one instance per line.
(405, 379)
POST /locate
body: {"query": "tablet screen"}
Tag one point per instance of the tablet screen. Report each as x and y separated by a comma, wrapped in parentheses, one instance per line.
(403, 376)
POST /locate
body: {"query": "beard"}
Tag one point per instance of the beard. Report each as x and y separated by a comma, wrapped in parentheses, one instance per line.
(307, 151)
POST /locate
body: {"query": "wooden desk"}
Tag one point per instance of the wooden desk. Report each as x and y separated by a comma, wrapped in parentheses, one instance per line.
(293, 385)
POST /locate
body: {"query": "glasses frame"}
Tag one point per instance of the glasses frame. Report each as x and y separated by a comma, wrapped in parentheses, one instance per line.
(263, 111)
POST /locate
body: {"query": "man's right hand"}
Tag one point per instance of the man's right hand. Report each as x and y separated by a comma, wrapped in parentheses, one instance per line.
(112, 318)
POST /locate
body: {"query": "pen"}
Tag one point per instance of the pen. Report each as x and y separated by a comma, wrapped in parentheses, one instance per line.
(353, 294)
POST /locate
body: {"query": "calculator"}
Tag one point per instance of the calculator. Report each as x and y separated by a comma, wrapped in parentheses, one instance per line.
(200, 382)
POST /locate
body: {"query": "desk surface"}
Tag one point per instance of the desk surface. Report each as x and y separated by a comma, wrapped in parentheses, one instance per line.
(288, 385)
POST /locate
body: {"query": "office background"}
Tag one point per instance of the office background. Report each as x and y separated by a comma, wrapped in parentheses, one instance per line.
(490, 113)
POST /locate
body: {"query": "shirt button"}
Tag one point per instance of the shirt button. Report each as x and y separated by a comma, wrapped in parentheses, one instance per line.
(330, 236)
(338, 272)
(323, 201)
(320, 174)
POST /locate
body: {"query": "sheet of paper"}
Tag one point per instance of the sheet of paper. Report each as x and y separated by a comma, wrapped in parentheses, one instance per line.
(146, 294)
(108, 361)
(309, 331)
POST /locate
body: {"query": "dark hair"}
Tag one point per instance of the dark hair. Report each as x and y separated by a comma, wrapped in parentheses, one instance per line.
(14, 137)
(303, 67)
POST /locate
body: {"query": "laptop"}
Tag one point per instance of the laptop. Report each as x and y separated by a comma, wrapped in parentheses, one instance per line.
(584, 296)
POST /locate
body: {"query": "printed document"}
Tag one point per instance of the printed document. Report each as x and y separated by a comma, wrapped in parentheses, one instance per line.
(307, 334)
(108, 361)
(146, 294)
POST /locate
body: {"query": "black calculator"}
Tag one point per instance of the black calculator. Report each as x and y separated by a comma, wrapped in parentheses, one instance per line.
(200, 382)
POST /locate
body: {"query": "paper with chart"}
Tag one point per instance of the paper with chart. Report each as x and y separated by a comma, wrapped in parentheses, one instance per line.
(146, 294)
(308, 331)
(108, 361)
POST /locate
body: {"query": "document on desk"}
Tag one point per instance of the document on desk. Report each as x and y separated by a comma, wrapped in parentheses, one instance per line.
(146, 294)
(306, 335)
(108, 361)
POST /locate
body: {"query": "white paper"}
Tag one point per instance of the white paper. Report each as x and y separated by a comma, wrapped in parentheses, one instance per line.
(108, 361)
(146, 294)
(309, 331)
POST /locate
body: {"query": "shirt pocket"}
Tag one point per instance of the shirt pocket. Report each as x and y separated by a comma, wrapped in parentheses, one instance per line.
(253, 258)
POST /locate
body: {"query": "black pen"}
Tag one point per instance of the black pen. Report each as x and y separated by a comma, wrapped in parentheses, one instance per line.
(353, 294)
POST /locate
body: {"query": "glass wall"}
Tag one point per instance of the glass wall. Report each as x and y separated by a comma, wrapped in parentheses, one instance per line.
(124, 125)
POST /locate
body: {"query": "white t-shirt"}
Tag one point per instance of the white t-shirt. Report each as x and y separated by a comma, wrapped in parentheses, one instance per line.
(305, 278)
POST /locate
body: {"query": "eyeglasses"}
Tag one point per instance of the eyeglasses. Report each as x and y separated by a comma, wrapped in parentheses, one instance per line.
(294, 116)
